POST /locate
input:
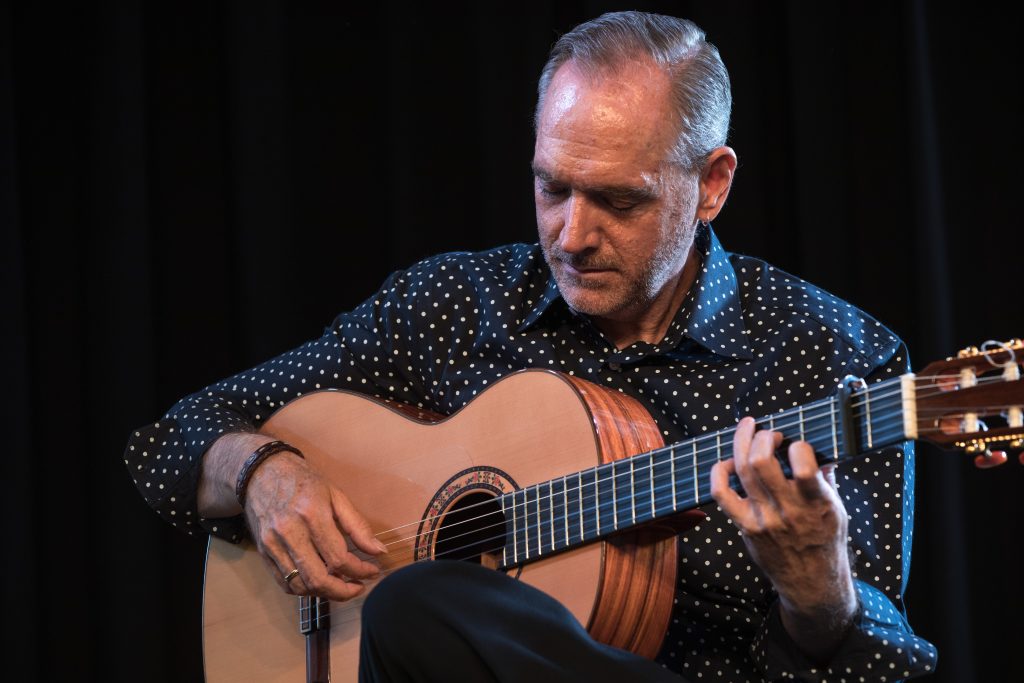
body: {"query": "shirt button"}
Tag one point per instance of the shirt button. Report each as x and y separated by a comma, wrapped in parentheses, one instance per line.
(615, 366)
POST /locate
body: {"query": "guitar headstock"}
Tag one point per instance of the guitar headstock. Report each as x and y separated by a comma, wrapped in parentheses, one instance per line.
(975, 402)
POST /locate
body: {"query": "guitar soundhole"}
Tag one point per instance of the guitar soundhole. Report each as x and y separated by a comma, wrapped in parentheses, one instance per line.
(471, 529)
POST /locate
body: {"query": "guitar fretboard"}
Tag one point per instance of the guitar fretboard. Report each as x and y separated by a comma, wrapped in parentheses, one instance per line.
(579, 508)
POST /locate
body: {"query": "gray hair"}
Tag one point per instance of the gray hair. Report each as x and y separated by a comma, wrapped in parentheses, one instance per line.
(700, 82)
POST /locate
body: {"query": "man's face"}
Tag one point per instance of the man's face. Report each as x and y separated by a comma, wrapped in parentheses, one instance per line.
(616, 220)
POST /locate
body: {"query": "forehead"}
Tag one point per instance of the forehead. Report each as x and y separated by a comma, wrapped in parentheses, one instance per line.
(613, 123)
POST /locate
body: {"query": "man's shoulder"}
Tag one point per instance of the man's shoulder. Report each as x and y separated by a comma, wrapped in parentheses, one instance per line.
(767, 289)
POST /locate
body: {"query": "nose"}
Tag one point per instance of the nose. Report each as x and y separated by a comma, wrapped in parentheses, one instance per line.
(580, 229)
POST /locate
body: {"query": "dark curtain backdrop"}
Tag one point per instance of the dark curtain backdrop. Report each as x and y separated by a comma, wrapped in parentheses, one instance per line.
(187, 189)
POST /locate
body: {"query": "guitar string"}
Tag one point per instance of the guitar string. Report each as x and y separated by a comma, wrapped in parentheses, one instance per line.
(585, 499)
(685, 455)
(552, 506)
(680, 483)
(803, 414)
(726, 433)
(349, 610)
(500, 537)
(717, 436)
(682, 456)
(642, 472)
(832, 412)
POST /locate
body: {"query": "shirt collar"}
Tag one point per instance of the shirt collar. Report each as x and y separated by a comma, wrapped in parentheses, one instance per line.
(711, 315)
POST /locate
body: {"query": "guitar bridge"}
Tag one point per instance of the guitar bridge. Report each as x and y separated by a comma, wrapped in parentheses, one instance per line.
(315, 625)
(314, 614)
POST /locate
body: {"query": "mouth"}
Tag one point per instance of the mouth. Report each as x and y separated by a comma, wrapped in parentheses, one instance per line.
(584, 271)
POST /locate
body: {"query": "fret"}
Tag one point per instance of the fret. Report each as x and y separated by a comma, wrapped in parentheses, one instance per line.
(565, 506)
(718, 446)
(615, 501)
(835, 437)
(675, 504)
(800, 421)
(642, 486)
(696, 490)
(554, 514)
(817, 430)
(597, 498)
(632, 489)
(607, 511)
(590, 523)
(540, 518)
(867, 410)
(650, 475)
(663, 495)
(551, 513)
(579, 496)
(527, 521)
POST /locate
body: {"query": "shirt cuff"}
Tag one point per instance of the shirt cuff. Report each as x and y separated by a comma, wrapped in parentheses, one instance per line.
(878, 647)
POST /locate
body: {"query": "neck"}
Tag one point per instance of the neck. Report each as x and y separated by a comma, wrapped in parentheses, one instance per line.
(651, 323)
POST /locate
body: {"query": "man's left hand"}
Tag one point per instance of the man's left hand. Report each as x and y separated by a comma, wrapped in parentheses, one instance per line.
(795, 530)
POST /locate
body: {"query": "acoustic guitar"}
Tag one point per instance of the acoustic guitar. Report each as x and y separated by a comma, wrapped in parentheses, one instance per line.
(560, 483)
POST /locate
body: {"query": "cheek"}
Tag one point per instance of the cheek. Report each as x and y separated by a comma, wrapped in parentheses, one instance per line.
(549, 219)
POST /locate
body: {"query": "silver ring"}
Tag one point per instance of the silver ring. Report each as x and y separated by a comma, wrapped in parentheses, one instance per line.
(291, 575)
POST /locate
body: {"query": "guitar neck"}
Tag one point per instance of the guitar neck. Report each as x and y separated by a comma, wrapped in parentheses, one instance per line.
(585, 506)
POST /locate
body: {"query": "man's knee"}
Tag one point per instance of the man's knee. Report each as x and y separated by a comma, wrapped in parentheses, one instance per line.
(415, 592)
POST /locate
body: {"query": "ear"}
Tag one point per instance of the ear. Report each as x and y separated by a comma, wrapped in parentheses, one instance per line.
(715, 181)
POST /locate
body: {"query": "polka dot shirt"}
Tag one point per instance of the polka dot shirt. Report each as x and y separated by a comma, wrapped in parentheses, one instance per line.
(749, 339)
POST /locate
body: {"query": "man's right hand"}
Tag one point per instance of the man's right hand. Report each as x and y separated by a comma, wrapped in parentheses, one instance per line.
(297, 518)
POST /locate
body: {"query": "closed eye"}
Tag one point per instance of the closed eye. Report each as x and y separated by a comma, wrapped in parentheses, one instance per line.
(553, 190)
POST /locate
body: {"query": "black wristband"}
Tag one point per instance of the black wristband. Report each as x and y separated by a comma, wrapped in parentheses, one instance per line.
(253, 461)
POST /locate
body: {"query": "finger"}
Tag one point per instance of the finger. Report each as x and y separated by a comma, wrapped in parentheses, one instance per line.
(355, 525)
(742, 442)
(279, 564)
(733, 505)
(760, 473)
(742, 437)
(314, 575)
(810, 482)
(829, 472)
(332, 548)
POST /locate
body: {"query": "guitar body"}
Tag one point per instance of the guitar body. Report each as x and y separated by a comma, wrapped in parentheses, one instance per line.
(400, 466)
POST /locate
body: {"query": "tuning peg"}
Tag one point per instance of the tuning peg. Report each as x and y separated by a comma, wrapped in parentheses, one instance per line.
(990, 459)
(968, 352)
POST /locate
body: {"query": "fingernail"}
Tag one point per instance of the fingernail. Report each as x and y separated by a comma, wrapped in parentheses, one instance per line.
(380, 546)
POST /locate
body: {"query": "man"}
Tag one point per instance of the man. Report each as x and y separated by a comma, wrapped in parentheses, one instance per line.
(629, 288)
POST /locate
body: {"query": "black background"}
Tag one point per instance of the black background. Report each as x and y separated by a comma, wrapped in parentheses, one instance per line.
(189, 188)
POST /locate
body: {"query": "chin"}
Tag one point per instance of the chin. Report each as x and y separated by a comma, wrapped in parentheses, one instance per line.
(592, 302)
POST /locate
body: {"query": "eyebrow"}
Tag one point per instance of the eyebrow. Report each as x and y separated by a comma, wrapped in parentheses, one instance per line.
(627, 192)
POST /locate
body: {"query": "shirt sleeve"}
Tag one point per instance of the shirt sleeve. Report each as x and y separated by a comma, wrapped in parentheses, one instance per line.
(878, 492)
(366, 350)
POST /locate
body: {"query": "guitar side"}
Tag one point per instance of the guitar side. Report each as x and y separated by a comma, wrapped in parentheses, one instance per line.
(531, 426)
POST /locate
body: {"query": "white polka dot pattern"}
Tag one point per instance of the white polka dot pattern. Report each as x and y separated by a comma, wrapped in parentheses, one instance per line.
(748, 340)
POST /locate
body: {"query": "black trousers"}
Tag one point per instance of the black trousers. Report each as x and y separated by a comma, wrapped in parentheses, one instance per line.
(455, 621)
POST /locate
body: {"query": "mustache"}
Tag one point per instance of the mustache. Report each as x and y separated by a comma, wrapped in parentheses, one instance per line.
(584, 261)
